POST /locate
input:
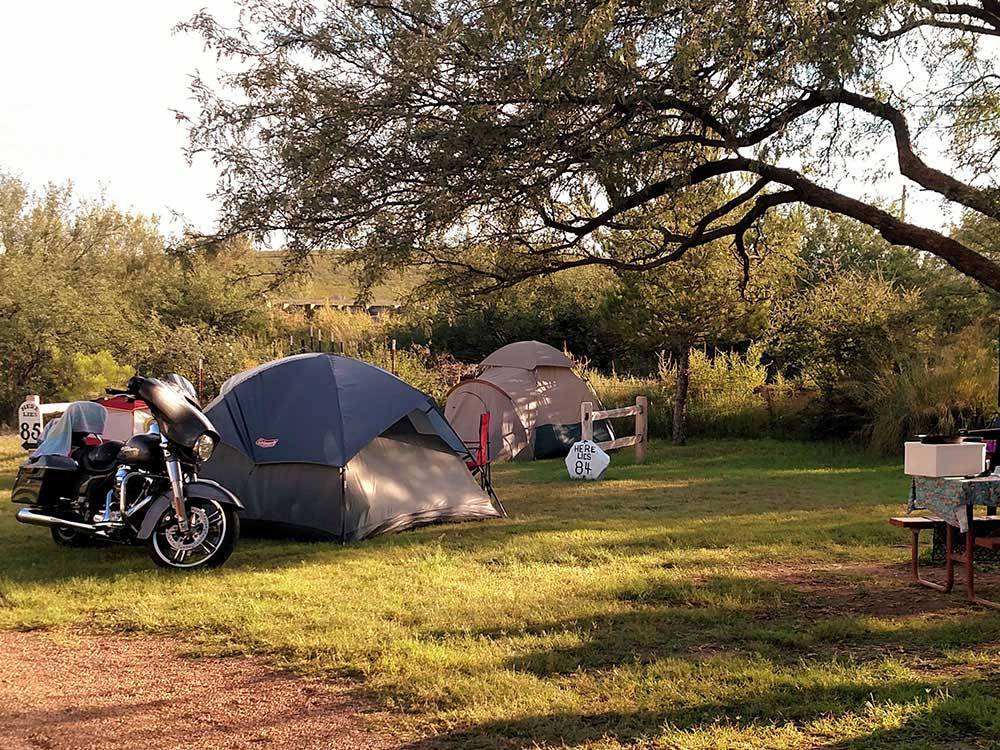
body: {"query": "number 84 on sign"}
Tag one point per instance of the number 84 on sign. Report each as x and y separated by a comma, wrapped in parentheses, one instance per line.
(586, 460)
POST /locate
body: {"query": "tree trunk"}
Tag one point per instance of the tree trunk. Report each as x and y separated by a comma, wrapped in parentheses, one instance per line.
(681, 396)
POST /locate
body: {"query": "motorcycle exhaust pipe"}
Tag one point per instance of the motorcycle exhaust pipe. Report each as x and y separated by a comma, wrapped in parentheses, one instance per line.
(27, 515)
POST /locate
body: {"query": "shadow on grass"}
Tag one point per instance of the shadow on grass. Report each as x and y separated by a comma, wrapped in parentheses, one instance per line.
(696, 497)
(774, 665)
(743, 617)
(29, 556)
(950, 713)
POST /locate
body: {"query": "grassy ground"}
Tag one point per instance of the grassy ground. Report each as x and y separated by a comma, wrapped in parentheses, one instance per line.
(737, 594)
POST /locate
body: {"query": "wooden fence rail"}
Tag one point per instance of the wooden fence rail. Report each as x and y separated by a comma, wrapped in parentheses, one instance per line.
(641, 437)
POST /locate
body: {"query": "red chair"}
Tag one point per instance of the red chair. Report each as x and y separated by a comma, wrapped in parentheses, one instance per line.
(479, 460)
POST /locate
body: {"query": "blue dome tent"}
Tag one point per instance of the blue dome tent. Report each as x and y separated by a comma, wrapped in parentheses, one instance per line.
(339, 448)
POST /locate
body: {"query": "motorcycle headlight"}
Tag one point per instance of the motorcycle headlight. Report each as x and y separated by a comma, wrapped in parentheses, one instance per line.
(203, 447)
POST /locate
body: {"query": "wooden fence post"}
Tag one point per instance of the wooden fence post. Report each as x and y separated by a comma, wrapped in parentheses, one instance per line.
(641, 428)
(587, 420)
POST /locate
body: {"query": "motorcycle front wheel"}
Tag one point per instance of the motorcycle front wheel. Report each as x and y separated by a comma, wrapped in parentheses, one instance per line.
(211, 537)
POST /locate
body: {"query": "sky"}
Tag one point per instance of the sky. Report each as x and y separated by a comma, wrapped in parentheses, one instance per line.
(89, 90)
(87, 94)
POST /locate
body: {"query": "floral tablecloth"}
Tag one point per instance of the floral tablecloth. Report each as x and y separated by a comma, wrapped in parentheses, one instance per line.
(949, 497)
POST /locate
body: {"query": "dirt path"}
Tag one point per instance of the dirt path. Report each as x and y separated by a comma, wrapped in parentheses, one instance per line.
(68, 691)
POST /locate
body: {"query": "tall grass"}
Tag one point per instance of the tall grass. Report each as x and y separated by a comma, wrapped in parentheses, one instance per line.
(417, 366)
(732, 394)
(615, 390)
(937, 392)
(342, 327)
(729, 395)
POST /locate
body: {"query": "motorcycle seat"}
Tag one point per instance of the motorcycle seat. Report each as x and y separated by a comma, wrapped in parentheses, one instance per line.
(98, 459)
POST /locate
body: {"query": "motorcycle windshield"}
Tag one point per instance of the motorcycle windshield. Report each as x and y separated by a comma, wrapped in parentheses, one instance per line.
(180, 421)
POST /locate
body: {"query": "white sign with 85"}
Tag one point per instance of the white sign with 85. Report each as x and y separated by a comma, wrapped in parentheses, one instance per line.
(29, 422)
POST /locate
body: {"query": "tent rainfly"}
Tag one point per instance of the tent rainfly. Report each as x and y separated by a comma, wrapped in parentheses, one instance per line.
(339, 448)
(533, 397)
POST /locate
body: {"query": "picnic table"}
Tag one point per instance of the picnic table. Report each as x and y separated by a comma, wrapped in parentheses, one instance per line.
(953, 501)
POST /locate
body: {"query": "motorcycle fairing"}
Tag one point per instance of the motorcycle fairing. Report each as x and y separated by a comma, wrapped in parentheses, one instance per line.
(180, 420)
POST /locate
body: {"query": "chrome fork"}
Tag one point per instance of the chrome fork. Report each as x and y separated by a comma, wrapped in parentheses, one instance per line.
(176, 478)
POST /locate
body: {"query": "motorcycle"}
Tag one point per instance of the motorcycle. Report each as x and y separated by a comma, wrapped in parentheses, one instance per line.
(145, 491)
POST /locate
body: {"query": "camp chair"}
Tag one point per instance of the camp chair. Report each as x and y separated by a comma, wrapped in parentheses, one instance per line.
(479, 460)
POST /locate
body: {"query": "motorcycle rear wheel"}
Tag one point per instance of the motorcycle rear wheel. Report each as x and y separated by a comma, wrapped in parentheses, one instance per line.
(64, 536)
(210, 540)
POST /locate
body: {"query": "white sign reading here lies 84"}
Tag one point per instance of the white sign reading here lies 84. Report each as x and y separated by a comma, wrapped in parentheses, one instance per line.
(586, 460)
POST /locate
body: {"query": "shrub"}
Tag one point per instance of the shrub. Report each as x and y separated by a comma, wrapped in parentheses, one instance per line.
(416, 366)
(729, 395)
(346, 327)
(614, 391)
(181, 348)
(844, 328)
(725, 396)
(938, 391)
(85, 376)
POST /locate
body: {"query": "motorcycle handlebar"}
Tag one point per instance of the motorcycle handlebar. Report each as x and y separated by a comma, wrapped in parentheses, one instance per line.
(116, 391)
(989, 433)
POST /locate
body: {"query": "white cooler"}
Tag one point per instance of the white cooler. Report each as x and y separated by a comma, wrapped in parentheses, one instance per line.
(945, 460)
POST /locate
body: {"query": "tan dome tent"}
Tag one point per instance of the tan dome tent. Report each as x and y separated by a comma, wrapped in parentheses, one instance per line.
(533, 397)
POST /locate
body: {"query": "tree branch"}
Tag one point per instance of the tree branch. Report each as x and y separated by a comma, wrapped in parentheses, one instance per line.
(891, 228)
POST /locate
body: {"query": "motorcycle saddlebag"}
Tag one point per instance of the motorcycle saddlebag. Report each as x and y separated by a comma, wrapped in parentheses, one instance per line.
(43, 480)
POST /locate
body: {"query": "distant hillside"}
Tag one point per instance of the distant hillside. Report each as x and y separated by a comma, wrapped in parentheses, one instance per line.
(329, 278)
